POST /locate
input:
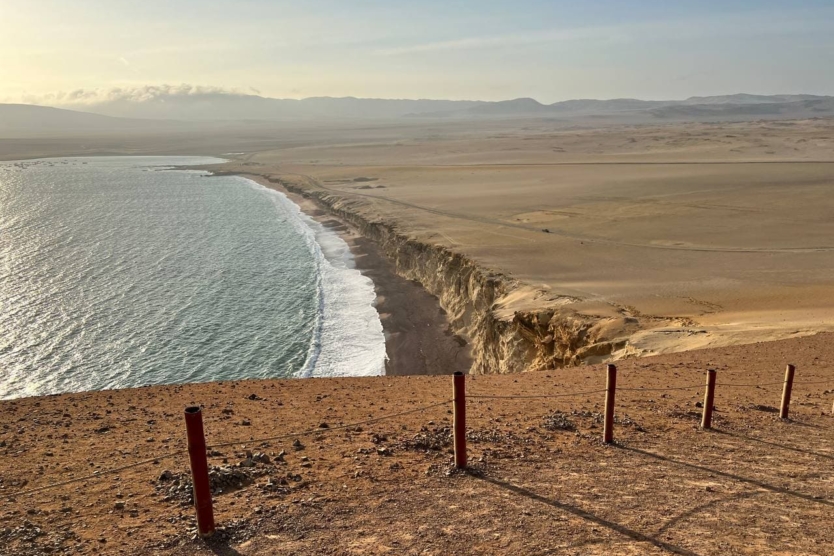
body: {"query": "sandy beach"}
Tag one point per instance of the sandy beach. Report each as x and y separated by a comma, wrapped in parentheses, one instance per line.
(418, 338)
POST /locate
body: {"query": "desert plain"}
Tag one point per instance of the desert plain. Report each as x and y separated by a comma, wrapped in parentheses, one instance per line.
(675, 237)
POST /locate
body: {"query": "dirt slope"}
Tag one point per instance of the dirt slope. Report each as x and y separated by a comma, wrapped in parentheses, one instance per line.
(542, 482)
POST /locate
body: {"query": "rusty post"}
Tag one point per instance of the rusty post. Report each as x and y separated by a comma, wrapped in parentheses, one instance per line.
(610, 390)
(199, 470)
(709, 400)
(786, 392)
(460, 419)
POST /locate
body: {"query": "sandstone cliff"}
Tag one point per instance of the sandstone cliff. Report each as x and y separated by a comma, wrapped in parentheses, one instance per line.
(481, 305)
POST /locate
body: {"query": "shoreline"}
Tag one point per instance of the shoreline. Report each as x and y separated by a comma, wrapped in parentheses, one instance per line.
(418, 337)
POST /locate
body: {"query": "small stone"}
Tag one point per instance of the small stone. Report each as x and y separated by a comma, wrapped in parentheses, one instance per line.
(166, 476)
(699, 404)
(297, 444)
(261, 457)
(245, 422)
(119, 505)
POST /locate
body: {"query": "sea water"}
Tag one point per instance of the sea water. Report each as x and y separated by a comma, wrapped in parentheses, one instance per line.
(126, 271)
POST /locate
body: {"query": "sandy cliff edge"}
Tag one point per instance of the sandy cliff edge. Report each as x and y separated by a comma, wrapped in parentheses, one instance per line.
(510, 326)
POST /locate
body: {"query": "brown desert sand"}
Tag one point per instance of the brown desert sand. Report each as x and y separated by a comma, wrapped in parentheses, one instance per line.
(541, 480)
(662, 238)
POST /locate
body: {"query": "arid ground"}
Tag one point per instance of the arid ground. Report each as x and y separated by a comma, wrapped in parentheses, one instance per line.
(680, 237)
(541, 481)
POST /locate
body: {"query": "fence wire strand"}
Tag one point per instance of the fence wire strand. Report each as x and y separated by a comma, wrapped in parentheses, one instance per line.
(99, 474)
(533, 397)
(689, 387)
(329, 429)
(751, 385)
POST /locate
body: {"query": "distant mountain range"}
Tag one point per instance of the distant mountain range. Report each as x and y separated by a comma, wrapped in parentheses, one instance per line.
(46, 118)
(726, 106)
(231, 106)
(170, 110)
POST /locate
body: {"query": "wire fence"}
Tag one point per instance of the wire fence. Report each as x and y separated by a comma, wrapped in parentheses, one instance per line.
(99, 474)
(168, 455)
(532, 396)
(329, 429)
(320, 430)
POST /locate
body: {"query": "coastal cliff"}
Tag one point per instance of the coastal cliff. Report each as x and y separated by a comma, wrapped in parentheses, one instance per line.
(479, 303)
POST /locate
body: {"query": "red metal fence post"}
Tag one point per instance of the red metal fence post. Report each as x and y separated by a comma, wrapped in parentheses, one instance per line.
(199, 470)
(709, 400)
(460, 419)
(610, 391)
(786, 392)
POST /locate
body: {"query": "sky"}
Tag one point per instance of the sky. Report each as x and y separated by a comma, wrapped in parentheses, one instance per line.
(487, 50)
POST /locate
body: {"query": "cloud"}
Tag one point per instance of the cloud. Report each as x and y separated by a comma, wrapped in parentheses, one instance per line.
(143, 94)
(735, 26)
(596, 34)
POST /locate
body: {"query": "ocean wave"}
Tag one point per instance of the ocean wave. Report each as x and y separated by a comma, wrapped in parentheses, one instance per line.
(348, 338)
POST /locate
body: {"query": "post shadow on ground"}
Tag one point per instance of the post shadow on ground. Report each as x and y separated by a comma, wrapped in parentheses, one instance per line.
(579, 512)
(754, 482)
(792, 421)
(698, 509)
(221, 547)
(774, 444)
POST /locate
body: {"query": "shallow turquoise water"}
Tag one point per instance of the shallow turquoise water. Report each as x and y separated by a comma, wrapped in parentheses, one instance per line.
(118, 272)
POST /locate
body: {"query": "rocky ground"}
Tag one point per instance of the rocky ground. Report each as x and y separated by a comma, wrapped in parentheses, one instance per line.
(540, 482)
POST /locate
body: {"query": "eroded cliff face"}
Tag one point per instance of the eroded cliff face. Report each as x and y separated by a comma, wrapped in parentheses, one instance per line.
(478, 302)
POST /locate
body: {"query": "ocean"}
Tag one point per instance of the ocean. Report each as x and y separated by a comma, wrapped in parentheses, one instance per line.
(118, 272)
